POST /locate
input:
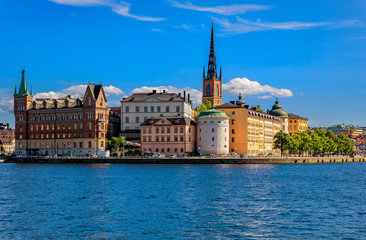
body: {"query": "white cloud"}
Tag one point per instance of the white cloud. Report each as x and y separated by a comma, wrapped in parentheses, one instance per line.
(186, 27)
(112, 90)
(245, 26)
(247, 87)
(6, 100)
(195, 94)
(119, 7)
(77, 91)
(223, 10)
(157, 30)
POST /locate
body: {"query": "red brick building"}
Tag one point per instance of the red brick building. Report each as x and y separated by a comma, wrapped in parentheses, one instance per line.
(212, 84)
(61, 126)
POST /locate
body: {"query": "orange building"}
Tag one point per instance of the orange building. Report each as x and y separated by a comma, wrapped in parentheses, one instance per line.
(251, 132)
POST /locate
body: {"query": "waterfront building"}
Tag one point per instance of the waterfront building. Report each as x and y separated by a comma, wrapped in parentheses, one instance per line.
(168, 135)
(212, 83)
(297, 124)
(213, 132)
(251, 131)
(139, 107)
(281, 114)
(7, 139)
(65, 125)
(348, 130)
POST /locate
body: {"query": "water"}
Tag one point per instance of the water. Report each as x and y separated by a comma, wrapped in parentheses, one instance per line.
(322, 201)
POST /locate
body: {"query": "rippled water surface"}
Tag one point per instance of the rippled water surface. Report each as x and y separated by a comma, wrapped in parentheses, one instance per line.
(183, 201)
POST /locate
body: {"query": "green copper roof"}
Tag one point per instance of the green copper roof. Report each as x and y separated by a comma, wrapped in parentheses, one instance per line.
(212, 113)
(23, 86)
(277, 110)
(15, 91)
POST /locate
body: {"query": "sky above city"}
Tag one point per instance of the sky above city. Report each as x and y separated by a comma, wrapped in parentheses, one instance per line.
(310, 54)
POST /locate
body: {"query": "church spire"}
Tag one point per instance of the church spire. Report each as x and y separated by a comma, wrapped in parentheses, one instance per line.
(15, 90)
(23, 86)
(212, 72)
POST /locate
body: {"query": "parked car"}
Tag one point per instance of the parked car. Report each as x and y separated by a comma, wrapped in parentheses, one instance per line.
(173, 156)
(162, 155)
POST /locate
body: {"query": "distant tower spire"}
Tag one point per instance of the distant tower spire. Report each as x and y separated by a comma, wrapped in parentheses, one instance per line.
(212, 72)
(220, 73)
(204, 72)
(15, 91)
(23, 86)
(31, 92)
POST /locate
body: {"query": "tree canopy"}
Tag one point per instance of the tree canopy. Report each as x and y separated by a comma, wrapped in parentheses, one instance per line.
(316, 142)
(204, 106)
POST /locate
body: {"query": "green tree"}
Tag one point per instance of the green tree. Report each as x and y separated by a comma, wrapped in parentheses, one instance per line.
(281, 141)
(2, 149)
(259, 109)
(117, 144)
(203, 107)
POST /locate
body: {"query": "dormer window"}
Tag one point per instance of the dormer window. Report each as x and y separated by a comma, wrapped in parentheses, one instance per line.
(66, 103)
(44, 105)
(34, 105)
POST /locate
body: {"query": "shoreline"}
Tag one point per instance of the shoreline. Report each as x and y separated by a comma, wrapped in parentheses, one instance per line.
(216, 160)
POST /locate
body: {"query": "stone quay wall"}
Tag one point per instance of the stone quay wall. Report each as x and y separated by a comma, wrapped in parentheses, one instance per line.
(216, 160)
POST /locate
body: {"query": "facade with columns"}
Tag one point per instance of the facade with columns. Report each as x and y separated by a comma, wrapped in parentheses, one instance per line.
(65, 126)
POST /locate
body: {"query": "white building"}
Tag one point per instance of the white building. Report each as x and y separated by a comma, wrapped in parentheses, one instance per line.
(213, 132)
(141, 106)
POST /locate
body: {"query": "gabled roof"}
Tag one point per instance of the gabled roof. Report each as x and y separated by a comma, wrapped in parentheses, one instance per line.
(96, 89)
(171, 120)
(293, 116)
(227, 105)
(162, 96)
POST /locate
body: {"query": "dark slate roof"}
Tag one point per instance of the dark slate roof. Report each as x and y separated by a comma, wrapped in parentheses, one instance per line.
(95, 89)
(172, 121)
(228, 105)
(292, 116)
(162, 96)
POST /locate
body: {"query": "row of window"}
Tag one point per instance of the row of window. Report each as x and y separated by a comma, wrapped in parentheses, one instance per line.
(212, 121)
(63, 145)
(213, 130)
(63, 117)
(165, 139)
(60, 136)
(162, 130)
(162, 150)
(64, 126)
(152, 109)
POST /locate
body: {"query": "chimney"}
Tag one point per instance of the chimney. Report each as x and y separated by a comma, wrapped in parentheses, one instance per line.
(164, 91)
(184, 95)
(267, 111)
(189, 96)
(179, 95)
(154, 91)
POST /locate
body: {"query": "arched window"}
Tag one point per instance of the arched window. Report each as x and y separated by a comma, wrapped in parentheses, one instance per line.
(81, 126)
(89, 125)
(102, 144)
(217, 90)
(208, 90)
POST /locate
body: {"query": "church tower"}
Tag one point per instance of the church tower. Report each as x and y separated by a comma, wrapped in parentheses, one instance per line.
(22, 102)
(212, 84)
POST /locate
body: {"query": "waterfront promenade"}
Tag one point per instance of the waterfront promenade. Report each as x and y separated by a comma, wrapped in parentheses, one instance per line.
(189, 160)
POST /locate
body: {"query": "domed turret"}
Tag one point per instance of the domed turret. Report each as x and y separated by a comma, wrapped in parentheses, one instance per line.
(240, 101)
(277, 110)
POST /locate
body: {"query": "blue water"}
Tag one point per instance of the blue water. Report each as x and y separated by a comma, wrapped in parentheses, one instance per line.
(323, 201)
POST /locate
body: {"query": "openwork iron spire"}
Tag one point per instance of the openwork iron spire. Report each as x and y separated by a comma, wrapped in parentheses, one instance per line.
(212, 71)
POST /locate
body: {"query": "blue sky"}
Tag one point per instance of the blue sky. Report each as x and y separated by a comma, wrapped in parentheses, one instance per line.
(311, 54)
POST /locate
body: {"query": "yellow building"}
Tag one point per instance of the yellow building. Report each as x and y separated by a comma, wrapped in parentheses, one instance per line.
(296, 124)
(251, 132)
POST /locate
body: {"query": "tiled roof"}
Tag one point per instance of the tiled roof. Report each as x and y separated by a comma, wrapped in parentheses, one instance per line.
(293, 116)
(171, 120)
(162, 96)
